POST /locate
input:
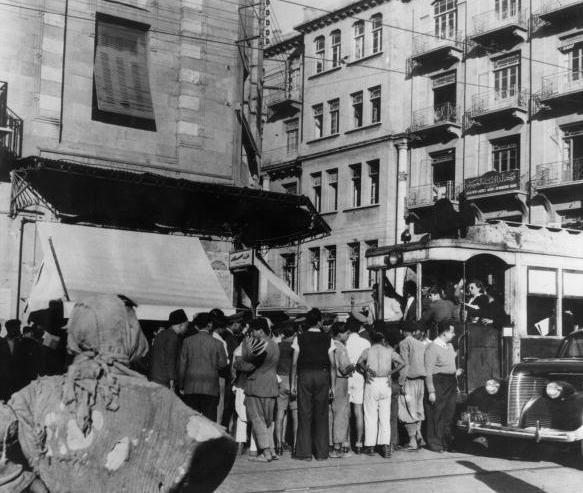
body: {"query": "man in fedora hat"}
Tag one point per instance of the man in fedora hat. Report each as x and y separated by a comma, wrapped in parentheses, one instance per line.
(166, 349)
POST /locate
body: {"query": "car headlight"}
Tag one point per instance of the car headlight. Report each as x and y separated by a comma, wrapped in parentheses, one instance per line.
(559, 389)
(492, 386)
(554, 390)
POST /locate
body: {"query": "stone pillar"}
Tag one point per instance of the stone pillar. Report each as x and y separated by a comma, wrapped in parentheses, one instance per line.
(402, 183)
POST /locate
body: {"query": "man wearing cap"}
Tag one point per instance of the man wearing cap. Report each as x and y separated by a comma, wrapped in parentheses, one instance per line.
(201, 359)
(166, 348)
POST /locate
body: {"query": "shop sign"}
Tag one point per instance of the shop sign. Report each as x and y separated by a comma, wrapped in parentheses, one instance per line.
(241, 259)
(493, 181)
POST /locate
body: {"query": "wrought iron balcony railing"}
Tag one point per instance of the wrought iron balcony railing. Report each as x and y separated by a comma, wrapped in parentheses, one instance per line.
(427, 195)
(561, 83)
(429, 42)
(281, 95)
(495, 20)
(499, 101)
(10, 125)
(553, 8)
(558, 173)
(446, 113)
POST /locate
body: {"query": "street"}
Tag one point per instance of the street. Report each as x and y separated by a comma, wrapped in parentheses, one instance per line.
(405, 472)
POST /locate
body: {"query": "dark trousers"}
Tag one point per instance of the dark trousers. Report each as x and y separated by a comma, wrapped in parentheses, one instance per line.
(439, 416)
(229, 404)
(204, 404)
(313, 406)
(395, 392)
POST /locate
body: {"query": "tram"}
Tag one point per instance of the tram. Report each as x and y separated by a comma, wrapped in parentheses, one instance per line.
(536, 271)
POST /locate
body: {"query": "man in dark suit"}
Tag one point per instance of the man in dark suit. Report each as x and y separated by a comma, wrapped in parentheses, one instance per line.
(201, 359)
(261, 388)
(166, 348)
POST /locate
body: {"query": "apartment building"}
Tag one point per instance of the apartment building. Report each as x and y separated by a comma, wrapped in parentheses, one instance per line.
(336, 108)
(136, 115)
(481, 98)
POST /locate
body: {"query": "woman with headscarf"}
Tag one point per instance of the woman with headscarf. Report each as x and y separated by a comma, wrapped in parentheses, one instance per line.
(104, 427)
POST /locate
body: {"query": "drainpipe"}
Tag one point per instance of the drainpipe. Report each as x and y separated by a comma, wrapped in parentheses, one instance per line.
(23, 222)
(400, 223)
(63, 71)
(530, 109)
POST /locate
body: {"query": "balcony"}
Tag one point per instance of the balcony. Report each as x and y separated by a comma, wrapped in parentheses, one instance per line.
(10, 126)
(500, 27)
(283, 100)
(564, 87)
(426, 195)
(558, 11)
(495, 184)
(429, 49)
(559, 174)
(437, 122)
(498, 108)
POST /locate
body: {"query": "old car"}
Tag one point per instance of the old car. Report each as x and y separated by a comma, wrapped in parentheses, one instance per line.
(542, 401)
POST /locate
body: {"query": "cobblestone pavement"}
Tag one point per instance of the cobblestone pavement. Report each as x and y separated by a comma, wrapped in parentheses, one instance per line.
(421, 471)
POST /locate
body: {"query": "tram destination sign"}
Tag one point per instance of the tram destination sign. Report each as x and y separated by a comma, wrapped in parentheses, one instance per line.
(493, 181)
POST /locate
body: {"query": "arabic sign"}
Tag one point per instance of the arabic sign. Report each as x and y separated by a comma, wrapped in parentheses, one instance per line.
(493, 181)
(241, 259)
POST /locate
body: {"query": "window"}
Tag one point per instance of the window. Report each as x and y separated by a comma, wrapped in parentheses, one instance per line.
(507, 77)
(506, 8)
(318, 112)
(317, 191)
(542, 302)
(289, 269)
(357, 109)
(576, 63)
(445, 18)
(332, 175)
(121, 94)
(377, 33)
(291, 188)
(292, 136)
(356, 170)
(371, 273)
(335, 39)
(334, 110)
(331, 268)
(373, 179)
(572, 168)
(320, 54)
(505, 155)
(375, 104)
(354, 257)
(358, 39)
(443, 164)
(315, 269)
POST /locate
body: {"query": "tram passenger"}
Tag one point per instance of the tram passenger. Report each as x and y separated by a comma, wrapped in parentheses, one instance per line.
(478, 300)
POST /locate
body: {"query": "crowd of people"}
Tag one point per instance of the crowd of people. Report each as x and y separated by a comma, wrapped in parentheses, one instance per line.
(318, 387)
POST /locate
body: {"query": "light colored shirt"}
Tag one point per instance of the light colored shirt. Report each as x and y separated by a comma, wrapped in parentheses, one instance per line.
(413, 353)
(439, 358)
(355, 345)
(380, 359)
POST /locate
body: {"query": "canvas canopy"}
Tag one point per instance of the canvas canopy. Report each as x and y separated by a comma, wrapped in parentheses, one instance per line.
(160, 273)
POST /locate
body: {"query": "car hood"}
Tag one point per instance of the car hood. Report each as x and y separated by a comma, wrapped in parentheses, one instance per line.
(551, 367)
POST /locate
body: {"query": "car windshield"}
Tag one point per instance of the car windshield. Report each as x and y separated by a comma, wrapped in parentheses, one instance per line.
(572, 347)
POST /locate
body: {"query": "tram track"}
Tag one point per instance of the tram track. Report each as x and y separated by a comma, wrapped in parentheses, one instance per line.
(405, 480)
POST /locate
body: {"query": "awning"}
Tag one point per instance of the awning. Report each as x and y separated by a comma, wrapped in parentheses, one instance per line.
(89, 195)
(289, 300)
(160, 273)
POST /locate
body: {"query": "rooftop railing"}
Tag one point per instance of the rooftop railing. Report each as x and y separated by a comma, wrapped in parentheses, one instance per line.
(10, 125)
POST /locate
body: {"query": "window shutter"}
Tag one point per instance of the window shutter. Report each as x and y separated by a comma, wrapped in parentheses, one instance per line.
(121, 71)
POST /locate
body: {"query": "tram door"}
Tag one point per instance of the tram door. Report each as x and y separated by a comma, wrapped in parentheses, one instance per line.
(481, 345)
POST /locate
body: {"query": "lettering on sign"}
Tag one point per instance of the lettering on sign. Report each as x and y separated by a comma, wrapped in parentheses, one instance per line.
(241, 259)
(493, 181)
